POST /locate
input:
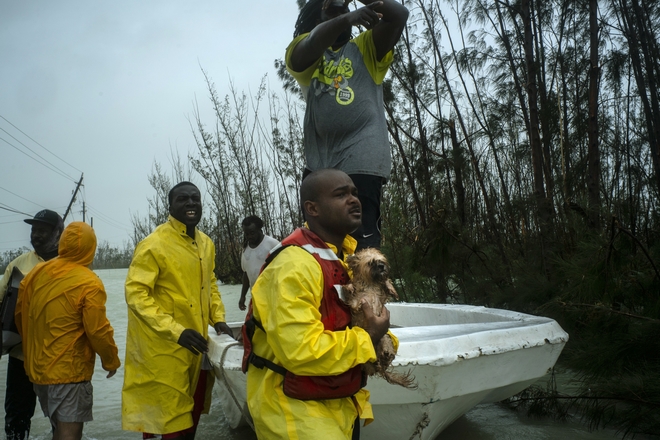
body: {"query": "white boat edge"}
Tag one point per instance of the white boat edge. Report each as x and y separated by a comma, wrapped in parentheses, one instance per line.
(460, 355)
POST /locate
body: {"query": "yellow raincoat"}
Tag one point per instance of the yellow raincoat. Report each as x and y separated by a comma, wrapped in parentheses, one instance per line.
(286, 300)
(60, 314)
(170, 287)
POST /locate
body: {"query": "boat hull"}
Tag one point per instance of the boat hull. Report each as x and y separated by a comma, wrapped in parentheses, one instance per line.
(461, 356)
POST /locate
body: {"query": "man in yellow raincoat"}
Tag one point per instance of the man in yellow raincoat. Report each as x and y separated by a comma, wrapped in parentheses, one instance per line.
(61, 317)
(172, 297)
(291, 300)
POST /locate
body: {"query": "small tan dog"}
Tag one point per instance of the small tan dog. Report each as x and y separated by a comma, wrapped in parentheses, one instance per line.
(371, 281)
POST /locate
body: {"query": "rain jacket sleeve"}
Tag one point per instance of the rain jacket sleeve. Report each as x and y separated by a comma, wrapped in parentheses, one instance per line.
(217, 306)
(293, 322)
(140, 285)
(98, 329)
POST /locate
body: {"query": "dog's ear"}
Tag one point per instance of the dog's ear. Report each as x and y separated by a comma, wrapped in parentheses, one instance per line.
(347, 290)
(352, 259)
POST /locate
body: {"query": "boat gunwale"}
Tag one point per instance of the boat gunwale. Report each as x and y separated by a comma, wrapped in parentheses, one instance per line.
(512, 331)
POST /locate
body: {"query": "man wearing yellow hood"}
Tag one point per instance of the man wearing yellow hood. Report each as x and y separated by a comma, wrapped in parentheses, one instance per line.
(61, 317)
(172, 297)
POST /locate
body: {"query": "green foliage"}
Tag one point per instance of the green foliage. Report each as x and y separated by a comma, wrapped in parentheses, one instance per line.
(600, 282)
(606, 297)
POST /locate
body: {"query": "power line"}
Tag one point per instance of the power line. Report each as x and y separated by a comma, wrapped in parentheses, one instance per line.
(99, 215)
(106, 219)
(8, 208)
(61, 173)
(38, 155)
(26, 135)
(34, 203)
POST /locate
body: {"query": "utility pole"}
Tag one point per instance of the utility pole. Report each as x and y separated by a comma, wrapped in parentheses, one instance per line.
(83, 211)
(68, 208)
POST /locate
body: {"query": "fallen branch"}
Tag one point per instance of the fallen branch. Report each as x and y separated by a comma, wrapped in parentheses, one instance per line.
(605, 309)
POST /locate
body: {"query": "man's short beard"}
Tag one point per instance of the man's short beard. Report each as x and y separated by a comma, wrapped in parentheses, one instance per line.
(49, 247)
(46, 247)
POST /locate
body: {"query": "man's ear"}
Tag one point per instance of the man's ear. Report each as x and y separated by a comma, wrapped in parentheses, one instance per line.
(310, 208)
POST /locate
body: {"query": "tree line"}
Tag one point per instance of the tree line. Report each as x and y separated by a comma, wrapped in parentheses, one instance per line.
(9, 255)
(106, 257)
(526, 176)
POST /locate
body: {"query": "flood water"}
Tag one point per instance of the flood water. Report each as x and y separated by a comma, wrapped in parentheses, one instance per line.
(485, 422)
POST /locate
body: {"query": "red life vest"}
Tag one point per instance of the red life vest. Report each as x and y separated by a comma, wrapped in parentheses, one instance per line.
(335, 315)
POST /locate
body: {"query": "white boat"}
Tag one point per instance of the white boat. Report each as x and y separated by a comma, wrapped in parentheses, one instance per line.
(461, 356)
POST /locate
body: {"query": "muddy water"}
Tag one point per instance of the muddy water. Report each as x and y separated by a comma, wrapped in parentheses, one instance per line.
(485, 422)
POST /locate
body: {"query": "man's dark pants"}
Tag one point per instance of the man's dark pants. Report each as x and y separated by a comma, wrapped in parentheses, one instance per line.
(20, 401)
(369, 191)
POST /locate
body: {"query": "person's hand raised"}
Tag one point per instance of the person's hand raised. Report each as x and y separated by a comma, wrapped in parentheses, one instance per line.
(365, 16)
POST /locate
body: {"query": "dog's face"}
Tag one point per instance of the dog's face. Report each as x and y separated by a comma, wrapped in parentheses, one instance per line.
(369, 265)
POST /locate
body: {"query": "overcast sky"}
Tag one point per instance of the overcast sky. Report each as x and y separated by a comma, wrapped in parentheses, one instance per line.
(107, 88)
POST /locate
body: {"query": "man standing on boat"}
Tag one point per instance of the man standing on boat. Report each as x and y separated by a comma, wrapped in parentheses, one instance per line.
(61, 317)
(20, 400)
(257, 247)
(341, 79)
(172, 297)
(302, 327)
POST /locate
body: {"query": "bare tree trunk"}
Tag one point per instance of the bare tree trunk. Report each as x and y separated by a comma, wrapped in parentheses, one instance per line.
(637, 42)
(287, 162)
(544, 122)
(562, 103)
(424, 171)
(593, 155)
(513, 66)
(651, 51)
(394, 132)
(482, 119)
(490, 214)
(458, 165)
(544, 215)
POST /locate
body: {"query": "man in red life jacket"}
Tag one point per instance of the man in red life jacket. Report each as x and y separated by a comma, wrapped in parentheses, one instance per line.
(304, 335)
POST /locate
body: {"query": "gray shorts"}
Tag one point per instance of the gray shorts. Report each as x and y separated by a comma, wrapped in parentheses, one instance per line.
(67, 402)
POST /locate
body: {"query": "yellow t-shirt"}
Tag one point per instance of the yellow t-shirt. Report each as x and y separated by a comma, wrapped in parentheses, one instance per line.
(25, 263)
